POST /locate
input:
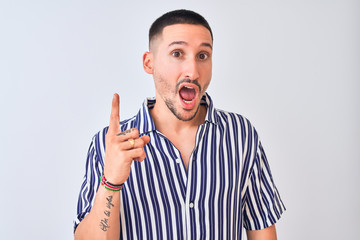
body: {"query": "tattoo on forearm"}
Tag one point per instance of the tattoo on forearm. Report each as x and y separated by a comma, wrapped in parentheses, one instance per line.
(125, 132)
(104, 223)
(107, 213)
(109, 203)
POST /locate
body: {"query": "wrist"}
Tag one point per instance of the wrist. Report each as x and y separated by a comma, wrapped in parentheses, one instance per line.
(113, 176)
(110, 186)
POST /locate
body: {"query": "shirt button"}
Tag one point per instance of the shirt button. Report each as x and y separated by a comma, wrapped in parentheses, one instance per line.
(191, 205)
(177, 160)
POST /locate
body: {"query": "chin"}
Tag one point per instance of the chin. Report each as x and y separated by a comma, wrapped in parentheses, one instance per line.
(186, 117)
(183, 114)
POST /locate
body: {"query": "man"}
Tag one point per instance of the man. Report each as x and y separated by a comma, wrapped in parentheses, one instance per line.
(186, 169)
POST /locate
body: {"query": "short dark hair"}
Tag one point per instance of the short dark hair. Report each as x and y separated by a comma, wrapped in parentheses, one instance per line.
(180, 16)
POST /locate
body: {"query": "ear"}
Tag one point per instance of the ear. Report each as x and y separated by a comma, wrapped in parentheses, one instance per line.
(148, 62)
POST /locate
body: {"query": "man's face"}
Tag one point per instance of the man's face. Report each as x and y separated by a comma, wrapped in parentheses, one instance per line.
(181, 67)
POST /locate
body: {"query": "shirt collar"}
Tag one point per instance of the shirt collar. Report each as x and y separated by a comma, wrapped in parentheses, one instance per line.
(145, 123)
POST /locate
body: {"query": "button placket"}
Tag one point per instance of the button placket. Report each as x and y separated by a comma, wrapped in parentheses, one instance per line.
(190, 198)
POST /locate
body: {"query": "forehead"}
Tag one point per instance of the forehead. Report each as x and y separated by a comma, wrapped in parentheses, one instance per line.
(189, 33)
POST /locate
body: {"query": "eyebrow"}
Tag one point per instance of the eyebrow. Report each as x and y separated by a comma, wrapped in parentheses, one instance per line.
(185, 43)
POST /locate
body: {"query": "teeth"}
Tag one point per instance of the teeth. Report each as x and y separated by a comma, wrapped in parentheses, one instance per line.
(187, 101)
(188, 87)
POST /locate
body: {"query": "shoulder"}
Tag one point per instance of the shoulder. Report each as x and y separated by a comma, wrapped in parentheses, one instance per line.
(236, 123)
(226, 117)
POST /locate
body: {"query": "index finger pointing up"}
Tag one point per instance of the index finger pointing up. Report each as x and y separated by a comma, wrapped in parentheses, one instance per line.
(114, 125)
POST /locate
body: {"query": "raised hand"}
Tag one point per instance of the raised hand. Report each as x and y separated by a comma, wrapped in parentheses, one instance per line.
(121, 147)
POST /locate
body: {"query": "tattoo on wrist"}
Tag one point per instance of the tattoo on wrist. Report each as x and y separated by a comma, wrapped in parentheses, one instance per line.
(104, 223)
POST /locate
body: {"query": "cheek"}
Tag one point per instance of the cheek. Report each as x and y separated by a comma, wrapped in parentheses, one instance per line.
(162, 80)
(206, 71)
(167, 71)
(205, 87)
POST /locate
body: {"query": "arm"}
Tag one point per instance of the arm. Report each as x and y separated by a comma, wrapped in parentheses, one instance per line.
(268, 233)
(103, 220)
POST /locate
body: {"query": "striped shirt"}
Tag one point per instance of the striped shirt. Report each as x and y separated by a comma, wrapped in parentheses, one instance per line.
(228, 183)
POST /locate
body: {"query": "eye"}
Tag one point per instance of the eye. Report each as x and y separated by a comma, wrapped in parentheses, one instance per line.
(203, 56)
(176, 54)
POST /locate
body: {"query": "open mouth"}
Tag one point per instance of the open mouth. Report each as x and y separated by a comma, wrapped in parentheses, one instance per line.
(188, 93)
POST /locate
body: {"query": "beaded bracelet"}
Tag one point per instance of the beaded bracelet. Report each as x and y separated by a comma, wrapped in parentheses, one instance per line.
(110, 186)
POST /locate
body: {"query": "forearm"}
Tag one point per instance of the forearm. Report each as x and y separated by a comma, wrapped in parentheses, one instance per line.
(103, 221)
(263, 234)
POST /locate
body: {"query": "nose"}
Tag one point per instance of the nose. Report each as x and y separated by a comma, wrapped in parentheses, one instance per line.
(191, 69)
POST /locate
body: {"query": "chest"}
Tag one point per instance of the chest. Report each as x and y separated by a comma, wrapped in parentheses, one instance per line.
(185, 144)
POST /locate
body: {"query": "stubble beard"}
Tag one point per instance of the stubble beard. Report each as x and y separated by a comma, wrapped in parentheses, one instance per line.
(172, 108)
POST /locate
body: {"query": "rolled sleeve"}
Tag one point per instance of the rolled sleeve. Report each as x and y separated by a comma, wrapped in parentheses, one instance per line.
(262, 203)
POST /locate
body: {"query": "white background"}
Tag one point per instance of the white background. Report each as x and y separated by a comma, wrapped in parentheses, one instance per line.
(291, 67)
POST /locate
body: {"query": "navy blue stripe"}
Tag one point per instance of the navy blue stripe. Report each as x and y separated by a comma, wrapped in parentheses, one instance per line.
(144, 202)
(204, 175)
(136, 214)
(155, 201)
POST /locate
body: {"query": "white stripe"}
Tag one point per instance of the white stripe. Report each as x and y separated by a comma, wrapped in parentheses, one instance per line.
(251, 220)
(139, 203)
(208, 183)
(272, 206)
(244, 158)
(122, 217)
(226, 184)
(217, 185)
(187, 202)
(198, 148)
(101, 144)
(232, 210)
(147, 193)
(157, 189)
(253, 199)
(238, 190)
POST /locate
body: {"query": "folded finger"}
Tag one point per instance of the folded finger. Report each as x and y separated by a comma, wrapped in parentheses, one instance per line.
(137, 154)
(132, 143)
(128, 134)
